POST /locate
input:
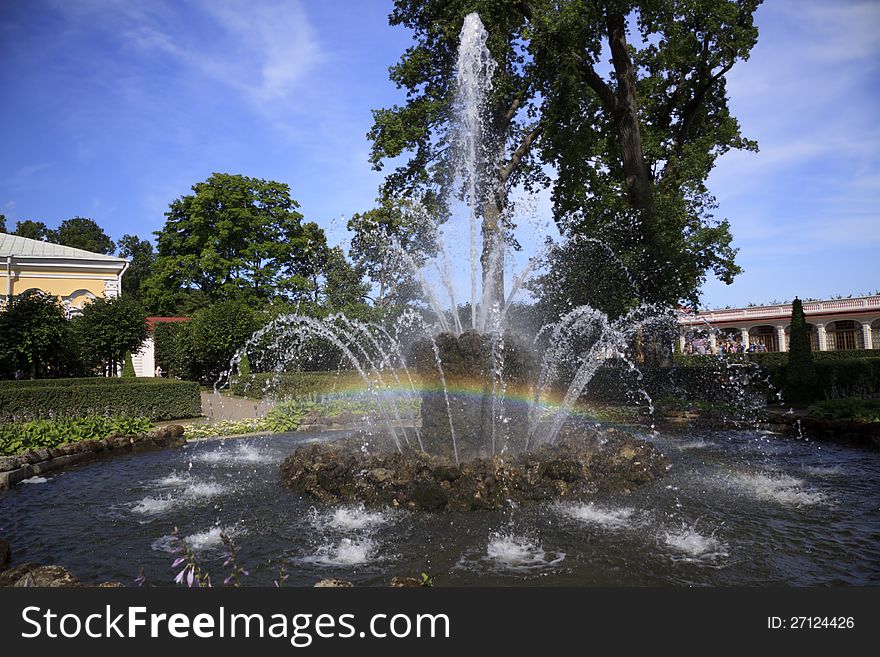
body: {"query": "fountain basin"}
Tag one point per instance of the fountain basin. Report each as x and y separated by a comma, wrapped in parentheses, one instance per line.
(583, 462)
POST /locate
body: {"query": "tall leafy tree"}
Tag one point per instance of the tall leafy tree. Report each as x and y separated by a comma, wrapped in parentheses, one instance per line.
(344, 286)
(234, 237)
(34, 230)
(108, 329)
(82, 233)
(33, 332)
(141, 257)
(214, 335)
(2, 223)
(389, 242)
(630, 141)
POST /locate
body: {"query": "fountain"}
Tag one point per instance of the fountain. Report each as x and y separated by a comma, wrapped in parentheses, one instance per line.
(489, 427)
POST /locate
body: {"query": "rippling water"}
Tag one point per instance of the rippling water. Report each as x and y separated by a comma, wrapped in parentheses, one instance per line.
(736, 508)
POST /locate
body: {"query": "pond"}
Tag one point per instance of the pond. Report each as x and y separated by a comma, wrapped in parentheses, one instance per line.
(736, 508)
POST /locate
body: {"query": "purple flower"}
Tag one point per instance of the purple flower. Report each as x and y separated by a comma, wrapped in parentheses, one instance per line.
(190, 577)
(178, 561)
(180, 576)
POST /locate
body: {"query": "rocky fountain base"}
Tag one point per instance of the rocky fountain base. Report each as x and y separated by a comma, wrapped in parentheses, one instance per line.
(583, 462)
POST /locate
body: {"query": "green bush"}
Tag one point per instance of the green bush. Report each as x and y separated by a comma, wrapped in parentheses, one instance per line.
(848, 408)
(81, 381)
(156, 399)
(800, 371)
(22, 436)
(128, 369)
(288, 385)
(772, 358)
(173, 348)
(857, 377)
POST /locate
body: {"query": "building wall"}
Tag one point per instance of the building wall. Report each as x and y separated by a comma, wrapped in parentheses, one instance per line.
(821, 316)
(74, 289)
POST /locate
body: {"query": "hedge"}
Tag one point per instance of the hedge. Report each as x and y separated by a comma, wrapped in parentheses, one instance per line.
(85, 381)
(720, 381)
(771, 358)
(154, 399)
(291, 385)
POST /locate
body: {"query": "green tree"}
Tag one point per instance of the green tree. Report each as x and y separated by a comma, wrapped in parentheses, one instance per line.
(234, 238)
(344, 286)
(128, 369)
(82, 233)
(389, 242)
(800, 372)
(33, 333)
(630, 150)
(141, 257)
(2, 223)
(34, 230)
(214, 335)
(108, 329)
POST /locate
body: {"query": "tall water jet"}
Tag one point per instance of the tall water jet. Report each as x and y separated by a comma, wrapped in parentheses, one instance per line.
(473, 82)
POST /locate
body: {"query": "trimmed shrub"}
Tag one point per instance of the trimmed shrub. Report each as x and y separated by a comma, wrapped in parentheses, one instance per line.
(155, 399)
(82, 381)
(857, 377)
(128, 369)
(292, 385)
(173, 348)
(848, 408)
(800, 372)
(772, 358)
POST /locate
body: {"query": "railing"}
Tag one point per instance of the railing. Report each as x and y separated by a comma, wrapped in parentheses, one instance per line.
(758, 312)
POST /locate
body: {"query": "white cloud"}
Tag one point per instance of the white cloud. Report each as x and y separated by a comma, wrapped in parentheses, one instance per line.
(262, 50)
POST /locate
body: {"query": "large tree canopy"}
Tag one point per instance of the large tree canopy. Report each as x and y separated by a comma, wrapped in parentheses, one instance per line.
(234, 238)
(34, 230)
(82, 233)
(619, 106)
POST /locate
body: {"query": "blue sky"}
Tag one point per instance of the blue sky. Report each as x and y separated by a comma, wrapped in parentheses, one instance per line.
(112, 108)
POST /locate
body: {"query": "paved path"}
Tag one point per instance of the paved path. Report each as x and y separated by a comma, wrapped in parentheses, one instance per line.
(217, 407)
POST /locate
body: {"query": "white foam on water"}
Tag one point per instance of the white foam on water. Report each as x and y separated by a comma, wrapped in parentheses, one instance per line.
(591, 514)
(780, 488)
(518, 553)
(193, 493)
(151, 506)
(695, 444)
(694, 546)
(357, 517)
(198, 542)
(203, 489)
(173, 480)
(210, 538)
(242, 453)
(34, 480)
(824, 470)
(347, 552)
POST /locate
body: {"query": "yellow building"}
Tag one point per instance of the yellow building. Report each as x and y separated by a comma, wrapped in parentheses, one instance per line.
(73, 275)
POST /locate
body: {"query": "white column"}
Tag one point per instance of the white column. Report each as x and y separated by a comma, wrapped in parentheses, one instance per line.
(780, 337)
(681, 342)
(744, 332)
(823, 342)
(713, 342)
(866, 336)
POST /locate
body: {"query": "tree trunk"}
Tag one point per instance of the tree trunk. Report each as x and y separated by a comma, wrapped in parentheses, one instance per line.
(492, 258)
(626, 114)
